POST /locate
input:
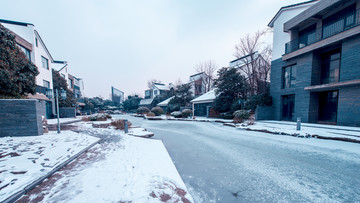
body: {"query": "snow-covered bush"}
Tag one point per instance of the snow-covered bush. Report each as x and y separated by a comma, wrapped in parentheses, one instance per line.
(120, 124)
(142, 110)
(151, 114)
(158, 111)
(97, 117)
(241, 115)
(176, 114)
(186, 113)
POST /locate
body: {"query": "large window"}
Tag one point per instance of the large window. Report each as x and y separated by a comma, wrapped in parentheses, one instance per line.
(289, 76)
(45, 62)
(330, 67)
(339, 21)
(46, 84)
(26, 51)
(307, 36)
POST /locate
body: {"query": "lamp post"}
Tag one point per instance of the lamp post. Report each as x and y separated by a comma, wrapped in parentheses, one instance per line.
(63, 96)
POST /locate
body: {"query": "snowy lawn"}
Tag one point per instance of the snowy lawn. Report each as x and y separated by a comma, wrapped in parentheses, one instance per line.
(307, 130)
(127, 170)
(63, 120)
(23, 160)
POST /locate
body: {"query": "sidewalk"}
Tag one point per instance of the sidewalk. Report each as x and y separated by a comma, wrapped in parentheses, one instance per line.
(321, 131)
(26, 161)
(120, 168)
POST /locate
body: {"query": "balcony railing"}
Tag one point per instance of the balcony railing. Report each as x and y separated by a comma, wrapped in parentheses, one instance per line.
(331, 26)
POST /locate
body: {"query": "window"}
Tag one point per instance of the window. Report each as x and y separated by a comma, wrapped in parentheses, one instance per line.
(71, 83)
(62, 75)
(45, 62)
(339, 21)
(26, 51)
(36, 42)
(330, 67)
(46, 84)
(289, 76)
(155, 92)
(307, 36)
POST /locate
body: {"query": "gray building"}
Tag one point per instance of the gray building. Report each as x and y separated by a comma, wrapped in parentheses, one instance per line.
(317, 77)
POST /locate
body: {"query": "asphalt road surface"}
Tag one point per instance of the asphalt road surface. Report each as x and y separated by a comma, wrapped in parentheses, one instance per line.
(224, 164)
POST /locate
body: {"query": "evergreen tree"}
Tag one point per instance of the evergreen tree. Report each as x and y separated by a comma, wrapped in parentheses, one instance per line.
(230, 87)
(182, 97)
(17, 73)
(60, 83)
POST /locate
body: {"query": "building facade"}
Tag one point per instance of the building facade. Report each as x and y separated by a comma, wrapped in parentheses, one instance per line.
(29, 41)
(315, 75)
(197, 84)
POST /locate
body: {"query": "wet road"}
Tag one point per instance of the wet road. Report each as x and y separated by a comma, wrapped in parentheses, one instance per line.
(223, 164)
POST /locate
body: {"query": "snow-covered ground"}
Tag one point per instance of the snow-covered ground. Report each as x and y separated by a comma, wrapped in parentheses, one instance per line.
(23, 160)
(63, 120)
(307, 130)
(121, 168)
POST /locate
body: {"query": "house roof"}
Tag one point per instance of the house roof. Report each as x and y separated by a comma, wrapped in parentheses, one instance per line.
(165, 102)
(271, 23)
(242, 60)
(42, 42)
(161, 86)
(196, 74)
(208, 96)
(15, 22)
(146, 101)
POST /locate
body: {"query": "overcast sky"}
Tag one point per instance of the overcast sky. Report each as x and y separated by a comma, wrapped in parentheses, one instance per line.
(125, 43)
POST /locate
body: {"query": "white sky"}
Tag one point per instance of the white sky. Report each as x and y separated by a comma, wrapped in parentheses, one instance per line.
(126, 43)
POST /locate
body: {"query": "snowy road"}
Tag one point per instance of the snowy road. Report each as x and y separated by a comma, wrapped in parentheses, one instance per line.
(223, 164)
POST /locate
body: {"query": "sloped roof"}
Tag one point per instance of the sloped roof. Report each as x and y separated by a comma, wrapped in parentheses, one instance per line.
(271, 23)
(146, 101)
(165, 102)
(208, 96)
(161, 86)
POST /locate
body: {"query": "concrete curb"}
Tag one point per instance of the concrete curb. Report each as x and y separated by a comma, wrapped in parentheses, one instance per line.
(32, 185)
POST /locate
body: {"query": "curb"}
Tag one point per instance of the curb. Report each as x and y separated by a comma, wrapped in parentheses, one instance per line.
(307, 136)
(32, 185)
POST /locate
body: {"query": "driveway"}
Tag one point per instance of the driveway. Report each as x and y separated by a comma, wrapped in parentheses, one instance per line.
(223, 164)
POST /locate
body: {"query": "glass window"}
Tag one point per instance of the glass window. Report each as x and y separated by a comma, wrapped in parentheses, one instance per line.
(339, 21)
(45, 62)
(36, 42)
(289, 76)
(155, 92)
(46, 84)
(330, 67)
(307, 36)
(26, 51)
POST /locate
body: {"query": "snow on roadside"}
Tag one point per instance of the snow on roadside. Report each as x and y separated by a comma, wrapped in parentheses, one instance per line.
(131, 170)
(63, 120)
(26, 159)
(306, 130)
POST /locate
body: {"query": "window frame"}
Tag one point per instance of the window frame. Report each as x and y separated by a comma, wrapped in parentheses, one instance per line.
(43, 59)
(292, 79)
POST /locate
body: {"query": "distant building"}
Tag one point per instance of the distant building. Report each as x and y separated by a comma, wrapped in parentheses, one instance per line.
(117, 96)
(197, 84)
(315, 72)
(202, 105)
(165, 104)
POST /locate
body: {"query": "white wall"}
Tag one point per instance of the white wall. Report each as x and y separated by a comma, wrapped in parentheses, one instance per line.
(280, 38)
(28, 33)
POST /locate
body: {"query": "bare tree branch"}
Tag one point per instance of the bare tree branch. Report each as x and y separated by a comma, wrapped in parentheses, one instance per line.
(208, 68)
(151, 82)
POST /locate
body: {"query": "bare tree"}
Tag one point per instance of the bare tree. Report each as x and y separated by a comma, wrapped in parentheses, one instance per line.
(151, 82)
(208, 68)
(255, 58)
(178, 82)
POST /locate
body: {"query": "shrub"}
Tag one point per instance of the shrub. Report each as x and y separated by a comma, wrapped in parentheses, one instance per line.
(227, 115)
(176, 114)
(96, 117)
(120, 124)
(261, 100)
(241, 115)
(158, 111)
(150, 114)
(142, 110)
(186, 113)
(236, 105)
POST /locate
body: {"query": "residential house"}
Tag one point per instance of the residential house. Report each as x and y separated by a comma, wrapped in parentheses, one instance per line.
(117, 96)
(165, 104)
(256, 65)
(157, 89)
(29, 40)
(315, 76)
(201, 106)
(197, 82)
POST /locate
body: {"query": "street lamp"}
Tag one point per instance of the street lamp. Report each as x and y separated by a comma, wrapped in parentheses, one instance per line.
(63, 96)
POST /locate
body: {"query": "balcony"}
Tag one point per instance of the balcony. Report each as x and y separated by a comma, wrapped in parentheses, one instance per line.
(333, 25)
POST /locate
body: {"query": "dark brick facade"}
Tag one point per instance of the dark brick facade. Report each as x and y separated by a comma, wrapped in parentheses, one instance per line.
(21, 117)
(308, 69)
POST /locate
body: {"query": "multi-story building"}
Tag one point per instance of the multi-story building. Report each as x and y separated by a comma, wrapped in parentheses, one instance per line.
(316, 74)
(29, 40)
(197, 82)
